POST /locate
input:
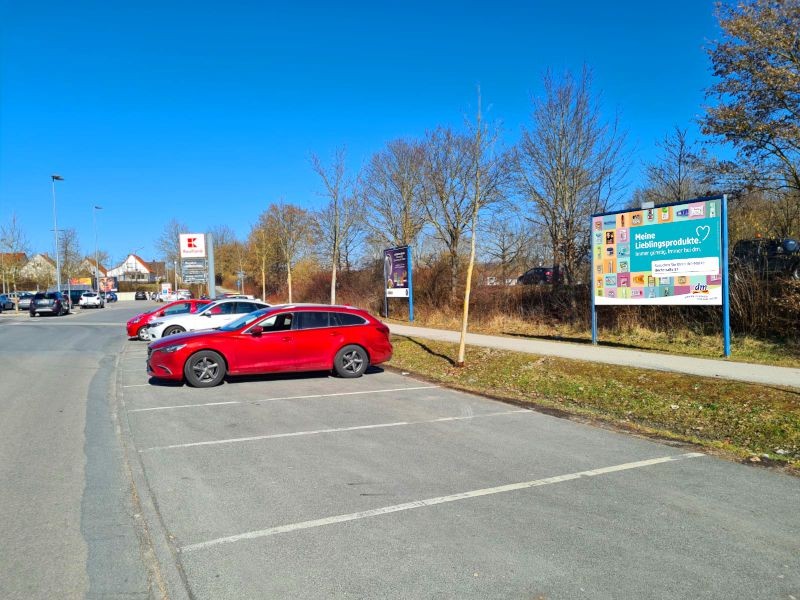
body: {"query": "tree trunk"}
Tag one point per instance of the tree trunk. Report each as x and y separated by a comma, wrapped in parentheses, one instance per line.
(289, 280)
(465, 314)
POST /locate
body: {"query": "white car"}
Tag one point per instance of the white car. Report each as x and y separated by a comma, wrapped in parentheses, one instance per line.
(91, 299)
(212, 315)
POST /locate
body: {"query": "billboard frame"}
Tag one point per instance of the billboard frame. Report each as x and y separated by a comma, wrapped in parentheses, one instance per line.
(726, 329)
(410, 280)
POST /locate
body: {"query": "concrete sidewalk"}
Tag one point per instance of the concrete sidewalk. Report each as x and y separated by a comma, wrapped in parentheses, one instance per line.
(704, 367)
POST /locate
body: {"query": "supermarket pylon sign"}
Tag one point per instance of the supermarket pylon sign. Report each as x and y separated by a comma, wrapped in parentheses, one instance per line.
(193, 245)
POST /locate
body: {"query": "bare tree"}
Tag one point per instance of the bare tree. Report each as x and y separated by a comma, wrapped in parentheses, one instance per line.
(569, 165)
(507, 241)
(446, 192)
(225, 243)
(294, 230)
(169, 243)
(392, 190)
(262, 249)
(677, 175)
(13, 245)
(69, 250)
(338, 220)
(487, 178)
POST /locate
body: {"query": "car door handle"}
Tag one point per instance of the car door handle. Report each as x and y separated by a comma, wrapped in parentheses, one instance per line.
(286, 339)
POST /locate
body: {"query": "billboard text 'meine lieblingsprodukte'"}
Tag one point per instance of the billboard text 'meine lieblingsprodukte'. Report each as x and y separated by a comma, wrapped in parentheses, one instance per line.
(662, 255)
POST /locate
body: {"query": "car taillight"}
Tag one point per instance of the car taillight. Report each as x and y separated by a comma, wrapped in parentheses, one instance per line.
(383, 329)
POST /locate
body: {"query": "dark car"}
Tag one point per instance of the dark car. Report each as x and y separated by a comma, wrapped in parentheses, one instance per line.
(768, 257)
(539, 275)
(141, 295)
(24, 300)
(6, 303)
(109, 296)
(49, 303)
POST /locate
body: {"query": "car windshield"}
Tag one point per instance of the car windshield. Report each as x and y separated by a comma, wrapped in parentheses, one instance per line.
(244, 320)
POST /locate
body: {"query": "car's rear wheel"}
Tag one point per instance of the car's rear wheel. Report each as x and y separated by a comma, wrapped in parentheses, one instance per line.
(204, 369)
(172, 330)
(351, 361)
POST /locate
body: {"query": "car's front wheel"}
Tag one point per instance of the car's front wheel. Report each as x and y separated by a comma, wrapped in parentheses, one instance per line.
(351, 361)
(142, 334)
(204, 369)
(173, 330)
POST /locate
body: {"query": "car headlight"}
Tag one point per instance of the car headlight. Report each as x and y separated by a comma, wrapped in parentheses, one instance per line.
(136, 319)
(173, 348)
(156, 324)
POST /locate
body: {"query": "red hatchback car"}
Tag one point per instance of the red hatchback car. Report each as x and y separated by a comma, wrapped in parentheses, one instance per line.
(137, 325)
(275, 339)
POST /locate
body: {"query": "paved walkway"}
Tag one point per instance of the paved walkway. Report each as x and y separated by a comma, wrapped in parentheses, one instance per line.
(763, 374)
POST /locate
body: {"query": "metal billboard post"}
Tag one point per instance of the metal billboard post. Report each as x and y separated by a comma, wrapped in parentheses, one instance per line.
(385, 291)
(726, 302)
(212, 280)
(410, 287)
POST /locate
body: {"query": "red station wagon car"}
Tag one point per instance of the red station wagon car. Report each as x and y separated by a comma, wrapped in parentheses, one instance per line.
(275, 339)
(137, 326)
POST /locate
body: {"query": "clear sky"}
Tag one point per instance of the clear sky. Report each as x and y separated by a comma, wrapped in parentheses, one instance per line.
(208, 111)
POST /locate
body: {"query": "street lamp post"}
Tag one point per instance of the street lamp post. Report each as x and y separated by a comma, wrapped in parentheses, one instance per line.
(96, 263)
(55, 178)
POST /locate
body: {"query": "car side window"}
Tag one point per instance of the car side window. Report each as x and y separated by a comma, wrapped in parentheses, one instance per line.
(242, 308)
(279, 322)
(344, 319)
(312, 320)
(178, 309)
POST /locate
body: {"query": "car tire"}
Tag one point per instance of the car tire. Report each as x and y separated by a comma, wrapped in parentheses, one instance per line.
(351, 361)
(142, 334)
(172, 330)
(204, 369)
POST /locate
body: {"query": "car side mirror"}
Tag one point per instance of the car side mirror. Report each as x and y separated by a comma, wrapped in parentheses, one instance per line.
(256, 331)
(207, 314)
(160, 314)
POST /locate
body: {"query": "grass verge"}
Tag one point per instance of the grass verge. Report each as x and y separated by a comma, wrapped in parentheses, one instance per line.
(745, 421)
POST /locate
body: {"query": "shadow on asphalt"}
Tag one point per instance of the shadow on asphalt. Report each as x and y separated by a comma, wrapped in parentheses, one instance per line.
(234, 379)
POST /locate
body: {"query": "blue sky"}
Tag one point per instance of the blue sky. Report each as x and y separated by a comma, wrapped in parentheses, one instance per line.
(207, 112)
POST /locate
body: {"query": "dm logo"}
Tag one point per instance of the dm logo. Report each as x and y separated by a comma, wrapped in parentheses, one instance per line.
(700, 288)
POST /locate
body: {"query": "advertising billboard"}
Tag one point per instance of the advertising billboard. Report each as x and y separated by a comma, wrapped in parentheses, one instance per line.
(395, 269)
(193, 245)
(107, 284)
(663, 255)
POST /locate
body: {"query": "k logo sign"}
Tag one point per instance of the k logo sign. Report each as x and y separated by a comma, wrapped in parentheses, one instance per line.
(193, 245)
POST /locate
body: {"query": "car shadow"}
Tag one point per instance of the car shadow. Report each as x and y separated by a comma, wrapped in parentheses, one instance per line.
(168, 383)
(233, 379)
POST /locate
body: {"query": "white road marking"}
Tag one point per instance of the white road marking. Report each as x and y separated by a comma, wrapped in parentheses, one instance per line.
(332, 430)
(376, 512)
(137, 385)
(180, 405)
(426, 387)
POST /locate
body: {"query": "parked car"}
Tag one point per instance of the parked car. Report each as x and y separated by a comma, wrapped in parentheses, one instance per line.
(539, 275)
(49, 303)
(137, 326)
(140, 295)
(109, 296)
(91, 300)
(768, 257)
(278, 339)
(6, 303)
(24, 300)
(214, 314)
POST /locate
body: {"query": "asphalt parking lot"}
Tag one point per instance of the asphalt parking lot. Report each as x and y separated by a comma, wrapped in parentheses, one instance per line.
(389, 487)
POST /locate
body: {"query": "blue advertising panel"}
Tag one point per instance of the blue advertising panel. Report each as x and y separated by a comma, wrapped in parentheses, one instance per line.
(663, 255)
(396, 272)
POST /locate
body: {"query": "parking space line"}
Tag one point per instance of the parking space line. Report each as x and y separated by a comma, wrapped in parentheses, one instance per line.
(332, 430)
(376, 512)
(425, 387)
